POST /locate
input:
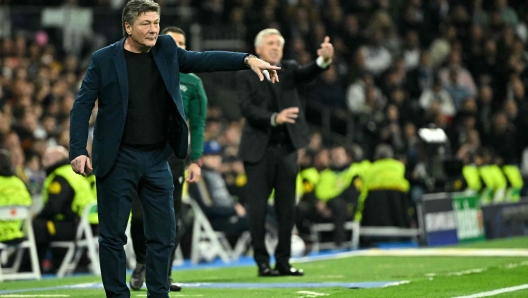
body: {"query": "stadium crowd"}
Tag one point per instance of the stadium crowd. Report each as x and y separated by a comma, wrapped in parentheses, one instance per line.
(400, 65)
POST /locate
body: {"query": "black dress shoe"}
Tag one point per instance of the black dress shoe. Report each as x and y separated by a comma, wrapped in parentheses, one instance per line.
(266, 271)
(289, 271)
(174, 287)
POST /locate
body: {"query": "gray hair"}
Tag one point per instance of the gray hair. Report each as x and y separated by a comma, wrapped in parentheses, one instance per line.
(134, 8)
(265, 33)
(383, 151)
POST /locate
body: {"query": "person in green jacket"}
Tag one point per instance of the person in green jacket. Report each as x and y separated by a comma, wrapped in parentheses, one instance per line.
(64, 196)
(195, 106)
(13, 192)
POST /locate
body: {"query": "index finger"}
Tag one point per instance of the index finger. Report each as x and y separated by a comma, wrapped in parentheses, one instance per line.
(326, 39)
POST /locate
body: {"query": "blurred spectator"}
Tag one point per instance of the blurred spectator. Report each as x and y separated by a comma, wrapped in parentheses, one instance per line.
(441, 46)
(438, 98)
(411, 50)
(422, 77)
(362, 92)
(503, 138)
(224, 213)
(329, 90)
(480, 16)
(390, 132)
(459, 92)
(377, 58)
(508, 14)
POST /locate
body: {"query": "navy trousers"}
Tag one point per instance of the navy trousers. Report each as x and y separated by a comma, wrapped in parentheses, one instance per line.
(148, 174)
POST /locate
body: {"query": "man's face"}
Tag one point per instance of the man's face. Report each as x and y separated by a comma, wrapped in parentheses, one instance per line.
(145, 29)
(178, 38)
(270, 50)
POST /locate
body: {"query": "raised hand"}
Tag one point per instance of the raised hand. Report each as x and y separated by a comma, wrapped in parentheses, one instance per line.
(258, 66)
(327, 50)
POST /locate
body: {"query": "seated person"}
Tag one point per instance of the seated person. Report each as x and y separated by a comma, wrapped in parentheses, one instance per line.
(334, 197)
(211, 193)
(13, 192)
(385, 200)
(64, 195)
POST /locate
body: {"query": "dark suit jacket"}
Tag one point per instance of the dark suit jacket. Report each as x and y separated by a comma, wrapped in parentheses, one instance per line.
(106, 80)
(255, 100)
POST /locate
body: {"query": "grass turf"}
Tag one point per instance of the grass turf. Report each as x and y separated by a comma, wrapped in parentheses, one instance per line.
(428, 276)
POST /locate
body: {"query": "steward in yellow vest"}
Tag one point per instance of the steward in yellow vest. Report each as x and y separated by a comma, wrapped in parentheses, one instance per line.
(13, 192)
(64, 196)
(335, 195)
(384, 201)
(515, 182)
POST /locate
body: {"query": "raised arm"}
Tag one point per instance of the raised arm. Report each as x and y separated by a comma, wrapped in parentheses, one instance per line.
(305, 74)
(81, 112)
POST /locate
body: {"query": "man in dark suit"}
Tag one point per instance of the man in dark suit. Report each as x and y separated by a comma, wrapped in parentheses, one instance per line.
(141, 116)
(274, 131)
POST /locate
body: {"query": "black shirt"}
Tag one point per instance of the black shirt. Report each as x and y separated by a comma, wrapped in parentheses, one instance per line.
(148, 102)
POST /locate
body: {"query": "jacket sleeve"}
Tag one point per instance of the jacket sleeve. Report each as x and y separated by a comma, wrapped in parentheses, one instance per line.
(306, 74)
(197, 114)
(255, 115)
(209, 61)
(82, 110)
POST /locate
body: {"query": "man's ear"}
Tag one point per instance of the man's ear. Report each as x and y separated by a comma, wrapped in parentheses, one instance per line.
(128, 28)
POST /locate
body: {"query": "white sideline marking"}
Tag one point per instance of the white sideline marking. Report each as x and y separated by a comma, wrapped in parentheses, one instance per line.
(419, 252)
(310, 294)
(392, 284)
(496, 292)
(466, 272)
(476, 270)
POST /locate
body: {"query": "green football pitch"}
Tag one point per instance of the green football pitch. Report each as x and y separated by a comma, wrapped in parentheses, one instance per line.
(466, 275)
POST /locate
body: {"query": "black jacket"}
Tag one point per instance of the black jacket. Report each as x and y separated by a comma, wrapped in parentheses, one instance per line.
(256, 101)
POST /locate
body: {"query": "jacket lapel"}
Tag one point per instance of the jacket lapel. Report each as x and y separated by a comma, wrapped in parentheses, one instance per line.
(121, 69)
(161, 63)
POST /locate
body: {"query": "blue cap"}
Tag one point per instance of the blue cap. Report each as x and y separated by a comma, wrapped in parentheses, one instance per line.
(212, 147)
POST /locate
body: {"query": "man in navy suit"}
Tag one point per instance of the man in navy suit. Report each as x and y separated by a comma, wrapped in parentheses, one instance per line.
(140, 118)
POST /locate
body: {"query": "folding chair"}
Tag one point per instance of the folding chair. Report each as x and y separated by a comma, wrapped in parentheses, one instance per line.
(84, 240)
(318, 228)
(208, 243)
(11, 273)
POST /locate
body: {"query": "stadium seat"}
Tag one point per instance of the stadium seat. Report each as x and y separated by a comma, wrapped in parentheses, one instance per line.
(84, 241)
(208, 243)
(357, 231)
(11, 273)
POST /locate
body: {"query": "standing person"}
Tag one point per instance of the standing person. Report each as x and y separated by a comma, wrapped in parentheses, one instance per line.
(275, 129)
(195, 107)
(141, 117)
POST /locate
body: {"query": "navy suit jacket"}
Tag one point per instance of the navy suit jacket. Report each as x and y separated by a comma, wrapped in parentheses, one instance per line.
(106, 80)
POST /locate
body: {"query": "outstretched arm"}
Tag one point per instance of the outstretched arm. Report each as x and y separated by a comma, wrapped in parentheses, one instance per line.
(209, 61)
